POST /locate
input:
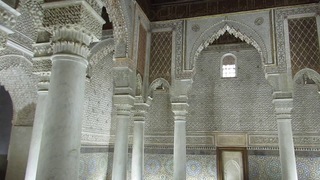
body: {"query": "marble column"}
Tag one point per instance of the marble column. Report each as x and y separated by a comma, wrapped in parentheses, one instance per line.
(283, 109)
(60, 145)
(179, 153)
(137, 150)
(61, 137)
(137, 167)
(34, 150)
(120, 155)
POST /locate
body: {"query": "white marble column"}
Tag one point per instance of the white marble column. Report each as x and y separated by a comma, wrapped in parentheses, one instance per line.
(60, 145)
(34, 150)
(120, 155)
(283, 109)
(138, 151)
(137, 166)
(61, 138)
(179, 154)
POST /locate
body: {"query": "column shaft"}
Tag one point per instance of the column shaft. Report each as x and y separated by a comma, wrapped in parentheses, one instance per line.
(120, 156)
(61, 137)
(34, 150)
(138, 151)
(286, 149)
(179, 154)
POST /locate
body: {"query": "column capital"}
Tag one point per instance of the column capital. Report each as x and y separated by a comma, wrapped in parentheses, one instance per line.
(283, 104)
(8, 16)
(179, 108)
(140, 109)
(124, 104)
(73, 24)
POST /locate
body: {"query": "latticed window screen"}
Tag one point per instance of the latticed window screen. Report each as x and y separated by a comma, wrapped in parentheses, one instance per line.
(304, 44)
(161, 54)
(142, 50)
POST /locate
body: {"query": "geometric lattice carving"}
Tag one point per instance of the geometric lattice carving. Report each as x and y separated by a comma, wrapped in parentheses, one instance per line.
(161, 54)
(142, 50)
(304, 44)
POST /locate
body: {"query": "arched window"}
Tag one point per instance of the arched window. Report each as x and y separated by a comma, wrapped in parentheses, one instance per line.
(228, 66)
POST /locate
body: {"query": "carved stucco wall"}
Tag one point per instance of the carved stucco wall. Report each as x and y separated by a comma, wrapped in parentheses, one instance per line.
(256, 26)
(305, 113)
(98, 101)
(159, 118)
(243, 103)
(17, 78)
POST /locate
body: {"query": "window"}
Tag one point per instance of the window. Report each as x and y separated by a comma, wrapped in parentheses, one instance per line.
(228, 66)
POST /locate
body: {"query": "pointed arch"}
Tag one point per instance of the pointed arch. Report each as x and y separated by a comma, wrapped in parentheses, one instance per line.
(17, 78)
(239, 30)
(118, 11)
(158, 83)
(99, 50)
(301, 76)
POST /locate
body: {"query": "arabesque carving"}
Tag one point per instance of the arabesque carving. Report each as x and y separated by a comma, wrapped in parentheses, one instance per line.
(239, 30)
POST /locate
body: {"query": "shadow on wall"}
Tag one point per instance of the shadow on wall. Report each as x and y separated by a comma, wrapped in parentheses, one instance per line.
(6, 114)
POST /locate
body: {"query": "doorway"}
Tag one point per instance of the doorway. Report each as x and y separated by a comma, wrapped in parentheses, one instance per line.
(232, 163)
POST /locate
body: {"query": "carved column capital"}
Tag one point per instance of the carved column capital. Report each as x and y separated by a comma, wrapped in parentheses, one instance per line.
(73, 24)
(123, 103)
(283, 104)
(140, 108)
(8, 17)
(179, 107)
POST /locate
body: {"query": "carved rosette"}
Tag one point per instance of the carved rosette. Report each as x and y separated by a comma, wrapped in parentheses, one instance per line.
(73, 24)
(8, 17)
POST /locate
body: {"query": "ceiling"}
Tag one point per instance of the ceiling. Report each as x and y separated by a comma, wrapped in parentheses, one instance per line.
(159, 10)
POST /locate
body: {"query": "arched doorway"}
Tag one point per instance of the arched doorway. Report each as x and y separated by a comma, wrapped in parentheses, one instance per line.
(6, 114)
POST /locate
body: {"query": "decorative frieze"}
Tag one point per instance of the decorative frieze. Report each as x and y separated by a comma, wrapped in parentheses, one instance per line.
(8, 17)
(74, 26)
(272, 141)
(280, 33)
(231, 140)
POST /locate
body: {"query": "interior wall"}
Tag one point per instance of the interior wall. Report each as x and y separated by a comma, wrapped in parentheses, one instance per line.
(159, 118)
(305, 113)
(238, 104)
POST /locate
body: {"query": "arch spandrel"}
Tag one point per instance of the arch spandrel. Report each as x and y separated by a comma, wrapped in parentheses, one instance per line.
(119, 12)
(238, 29)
